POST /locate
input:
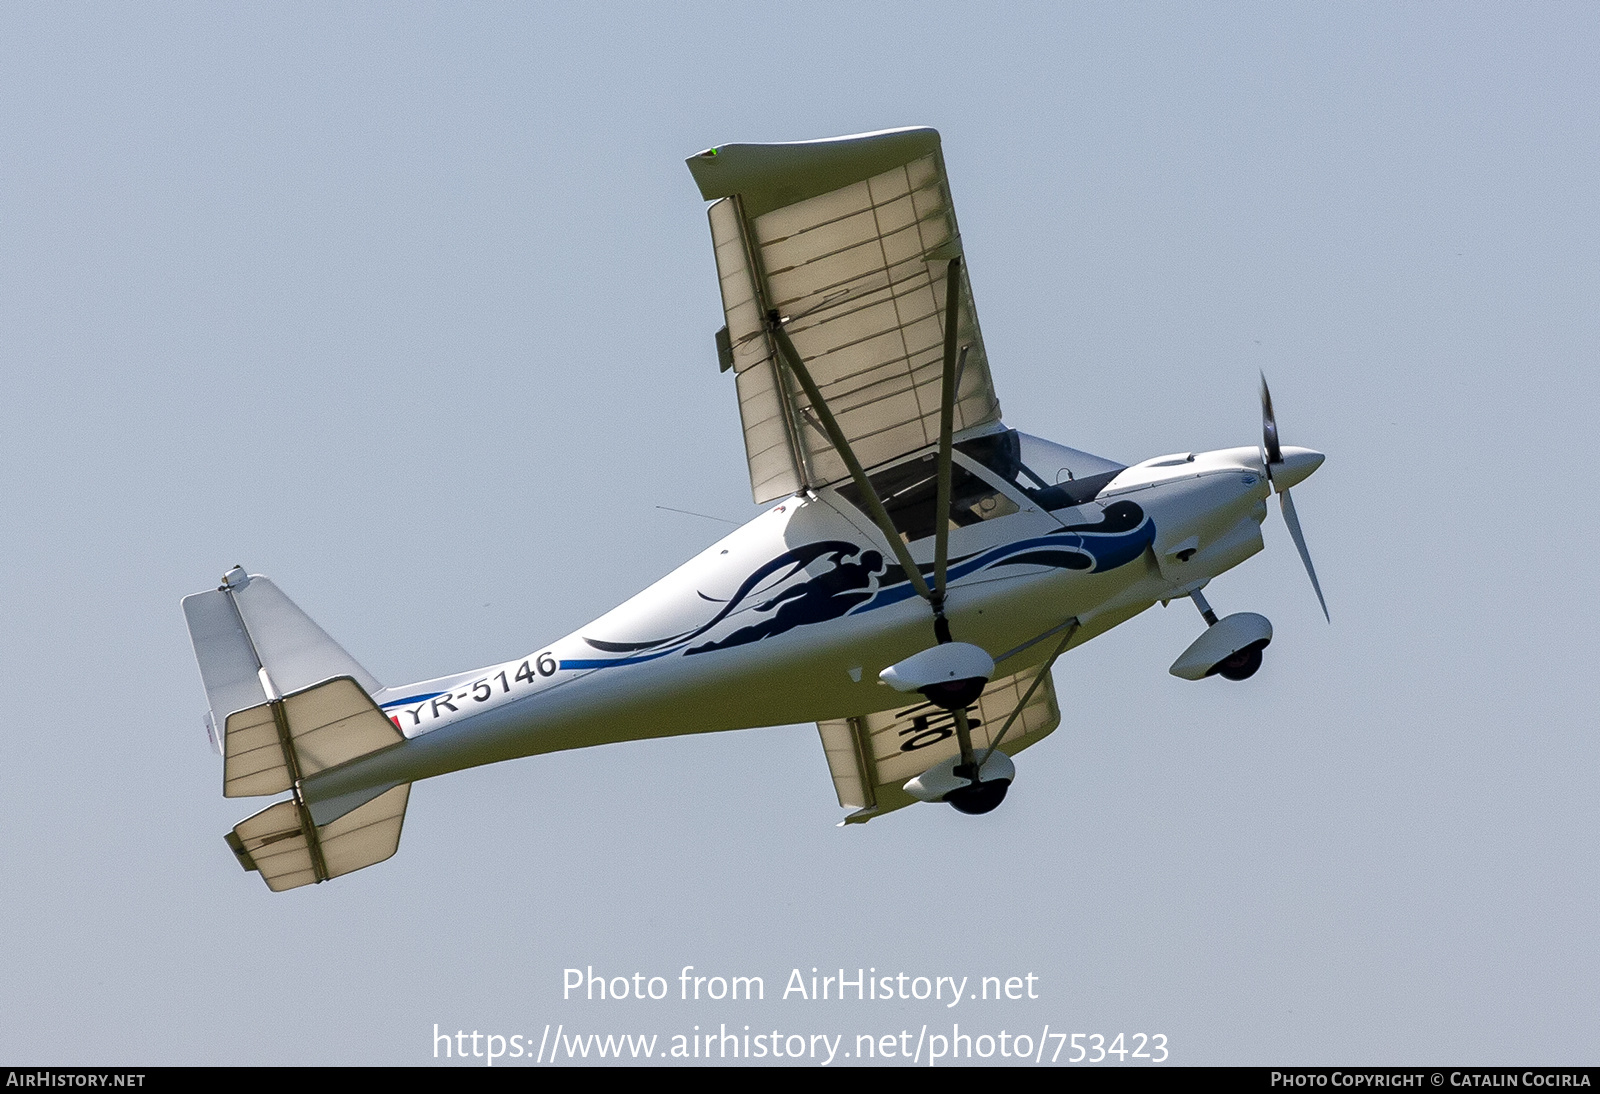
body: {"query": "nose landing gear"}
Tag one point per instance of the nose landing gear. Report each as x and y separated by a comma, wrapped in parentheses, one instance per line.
(1230, 647)
(1242, 665)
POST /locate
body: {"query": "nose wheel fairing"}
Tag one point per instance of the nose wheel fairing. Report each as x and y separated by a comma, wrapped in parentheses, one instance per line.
(1230, 647)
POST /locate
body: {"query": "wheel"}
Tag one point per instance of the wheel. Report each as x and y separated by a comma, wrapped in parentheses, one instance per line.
(1242, 665)
(955, 694)
(979, 798)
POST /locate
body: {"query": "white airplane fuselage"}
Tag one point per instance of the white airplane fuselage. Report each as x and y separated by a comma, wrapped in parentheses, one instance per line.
(792, 617)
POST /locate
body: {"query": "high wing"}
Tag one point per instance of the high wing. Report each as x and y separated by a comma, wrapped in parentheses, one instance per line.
(871, 757)
(848, 240)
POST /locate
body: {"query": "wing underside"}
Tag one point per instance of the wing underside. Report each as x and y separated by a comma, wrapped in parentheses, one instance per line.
(872, 756)
(849, 241)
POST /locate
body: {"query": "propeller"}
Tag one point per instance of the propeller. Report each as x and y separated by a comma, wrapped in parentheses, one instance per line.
(1283, 471)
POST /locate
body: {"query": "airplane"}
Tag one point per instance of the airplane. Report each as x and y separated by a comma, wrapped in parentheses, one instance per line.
(919, 570)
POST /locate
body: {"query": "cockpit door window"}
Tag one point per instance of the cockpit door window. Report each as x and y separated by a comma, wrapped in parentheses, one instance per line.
(909, 492)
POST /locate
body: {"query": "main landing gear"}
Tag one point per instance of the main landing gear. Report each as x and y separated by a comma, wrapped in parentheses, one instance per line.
(976, 799)
(952, 676)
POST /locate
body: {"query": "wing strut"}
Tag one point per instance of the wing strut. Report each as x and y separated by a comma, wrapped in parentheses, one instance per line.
(941, 539)
(947, 410)
(1044, 673)
(880, 516)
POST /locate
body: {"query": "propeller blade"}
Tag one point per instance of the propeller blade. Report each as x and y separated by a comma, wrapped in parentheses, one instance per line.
(1269, 428)
(1293, 522)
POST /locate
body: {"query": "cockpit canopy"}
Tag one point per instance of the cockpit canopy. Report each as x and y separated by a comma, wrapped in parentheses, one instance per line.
(1052, 475)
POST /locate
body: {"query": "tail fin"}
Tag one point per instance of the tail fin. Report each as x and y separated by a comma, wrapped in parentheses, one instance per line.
(247, 624)
(291, 702)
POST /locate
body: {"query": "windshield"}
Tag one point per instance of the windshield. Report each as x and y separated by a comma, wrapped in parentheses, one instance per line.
(909, 492)
(1053, 475)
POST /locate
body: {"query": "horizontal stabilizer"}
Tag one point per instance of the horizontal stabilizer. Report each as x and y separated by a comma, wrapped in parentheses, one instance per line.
(325, 725)
(872, 756)
(289, 852)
